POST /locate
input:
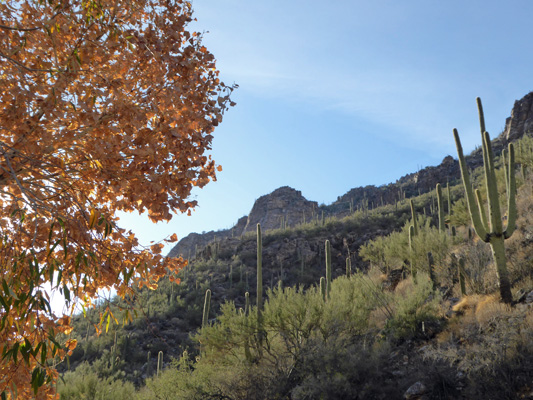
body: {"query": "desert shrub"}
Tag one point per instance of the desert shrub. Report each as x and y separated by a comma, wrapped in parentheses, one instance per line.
(393, 251)
(416, 307)
(342, 369)
(492, 346)
(296, 323)
(85, 384)
(480, 273)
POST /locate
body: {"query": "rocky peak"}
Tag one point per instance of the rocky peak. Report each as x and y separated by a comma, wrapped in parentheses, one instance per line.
(285, 206)
(521, 120)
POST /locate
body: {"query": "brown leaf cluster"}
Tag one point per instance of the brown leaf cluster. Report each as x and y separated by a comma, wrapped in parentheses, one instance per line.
(105, 106)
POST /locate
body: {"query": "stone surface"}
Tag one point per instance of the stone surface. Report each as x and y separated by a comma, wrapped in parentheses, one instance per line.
(529, 298)
(284, 206)
(415, 391)
(521, 120)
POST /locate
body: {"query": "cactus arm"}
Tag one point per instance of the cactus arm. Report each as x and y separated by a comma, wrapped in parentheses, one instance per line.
(472, 208)
(507, 177)
(511, 196)
(323, 288)
(481, 115)
(481, 209)
(495, 215)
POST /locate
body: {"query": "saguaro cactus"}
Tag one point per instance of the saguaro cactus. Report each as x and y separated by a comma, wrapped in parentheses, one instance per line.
(247, 353)
(259, 289)
(413, 216)
(449, 199)
(328, 268)
(323, 287)
(207, 303)
(440, 206)
(159, 363)
(348, 267)
(492, 233)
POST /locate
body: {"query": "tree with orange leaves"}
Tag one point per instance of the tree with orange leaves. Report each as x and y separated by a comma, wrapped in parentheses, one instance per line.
(105, 106)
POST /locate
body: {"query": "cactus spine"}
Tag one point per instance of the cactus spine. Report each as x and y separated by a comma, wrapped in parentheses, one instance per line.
(440, 206)
(494, 234)
(328, 269)
(207, 303)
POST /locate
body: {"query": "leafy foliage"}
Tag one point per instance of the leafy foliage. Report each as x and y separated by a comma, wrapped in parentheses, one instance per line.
(104, 107)
(310, 346)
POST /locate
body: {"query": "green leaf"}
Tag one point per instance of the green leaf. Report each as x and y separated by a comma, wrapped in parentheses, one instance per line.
(43, 353)
(66, 293)
(15, 350)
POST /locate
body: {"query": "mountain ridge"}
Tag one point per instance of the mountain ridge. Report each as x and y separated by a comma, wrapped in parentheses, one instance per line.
(286, 205)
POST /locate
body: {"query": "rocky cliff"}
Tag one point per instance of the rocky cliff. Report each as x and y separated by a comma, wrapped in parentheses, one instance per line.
(521, 120)
(287, 207)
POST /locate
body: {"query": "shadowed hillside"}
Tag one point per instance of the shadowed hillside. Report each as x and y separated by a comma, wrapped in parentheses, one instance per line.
(406, 314)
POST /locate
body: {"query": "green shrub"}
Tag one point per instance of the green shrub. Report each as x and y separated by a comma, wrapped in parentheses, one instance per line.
(416, 307)
(85, 384)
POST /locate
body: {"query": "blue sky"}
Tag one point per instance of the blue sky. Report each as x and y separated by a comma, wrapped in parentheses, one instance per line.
(339, 94)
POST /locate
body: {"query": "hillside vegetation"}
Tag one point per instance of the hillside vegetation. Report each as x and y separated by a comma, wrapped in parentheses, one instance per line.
(394, 322)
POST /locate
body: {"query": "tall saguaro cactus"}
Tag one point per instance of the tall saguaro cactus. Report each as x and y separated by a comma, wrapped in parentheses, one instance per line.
(159, 363)
(440, 206)
(491, 230)
(328, 268)
(259, 288)
(207, 304)
(413, 216)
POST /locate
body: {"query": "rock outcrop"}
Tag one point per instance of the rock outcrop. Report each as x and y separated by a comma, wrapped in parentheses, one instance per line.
(410, 185)
(521, 120)
(285, 206)
(189, 245)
